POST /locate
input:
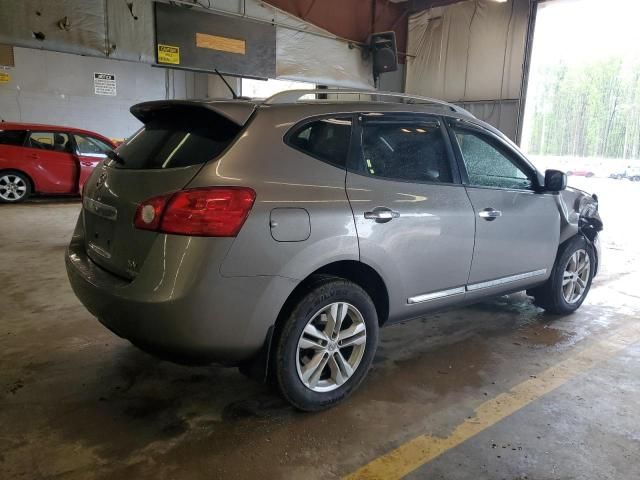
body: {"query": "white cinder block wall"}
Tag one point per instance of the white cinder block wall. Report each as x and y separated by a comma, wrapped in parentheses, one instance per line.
(57, 88)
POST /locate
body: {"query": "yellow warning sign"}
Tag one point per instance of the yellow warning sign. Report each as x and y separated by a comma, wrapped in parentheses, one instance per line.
(5, 77)
(168, 54)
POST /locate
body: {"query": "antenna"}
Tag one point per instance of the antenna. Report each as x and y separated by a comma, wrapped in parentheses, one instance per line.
(233, 93)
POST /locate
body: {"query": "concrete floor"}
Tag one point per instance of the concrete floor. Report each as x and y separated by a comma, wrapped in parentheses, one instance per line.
(76, 402)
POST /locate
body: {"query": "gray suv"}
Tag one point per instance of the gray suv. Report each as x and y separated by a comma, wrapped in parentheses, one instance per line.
(280, 235)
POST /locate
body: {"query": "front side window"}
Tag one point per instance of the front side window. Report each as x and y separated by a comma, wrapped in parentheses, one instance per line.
(52, 141)
(12, 137)
(326, 139)
(91, 146)
(413, 150)
(487, 165)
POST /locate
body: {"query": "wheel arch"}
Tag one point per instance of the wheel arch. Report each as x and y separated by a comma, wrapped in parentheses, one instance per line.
(355, 271)
(366, 277)
(591, 243)
(358, 272)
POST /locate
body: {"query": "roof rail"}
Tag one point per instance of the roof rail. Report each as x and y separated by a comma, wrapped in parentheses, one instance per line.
(294, 96)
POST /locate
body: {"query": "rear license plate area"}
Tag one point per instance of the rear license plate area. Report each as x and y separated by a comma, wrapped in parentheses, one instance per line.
(99, 235)
(99, 227)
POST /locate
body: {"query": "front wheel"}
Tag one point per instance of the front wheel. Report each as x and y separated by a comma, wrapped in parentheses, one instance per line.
(326, 345)
(14, 187)
(570, 279)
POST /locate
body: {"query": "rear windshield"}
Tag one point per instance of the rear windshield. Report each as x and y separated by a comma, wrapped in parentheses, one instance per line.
(177, 138)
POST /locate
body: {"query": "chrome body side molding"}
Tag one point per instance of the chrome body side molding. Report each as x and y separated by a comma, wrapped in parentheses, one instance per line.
(503, 280)
(428, 297)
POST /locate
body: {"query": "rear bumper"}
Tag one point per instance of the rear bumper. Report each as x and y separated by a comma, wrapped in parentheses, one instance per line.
(192, 314)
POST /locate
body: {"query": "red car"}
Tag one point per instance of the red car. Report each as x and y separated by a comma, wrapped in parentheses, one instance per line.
(47, 159)
(580, 173)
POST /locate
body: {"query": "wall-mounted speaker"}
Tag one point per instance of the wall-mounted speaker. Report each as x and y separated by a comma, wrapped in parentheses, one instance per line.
(384, 52)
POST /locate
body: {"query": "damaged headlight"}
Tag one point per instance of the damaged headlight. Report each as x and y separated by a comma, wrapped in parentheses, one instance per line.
(588, 206)
(590, 222)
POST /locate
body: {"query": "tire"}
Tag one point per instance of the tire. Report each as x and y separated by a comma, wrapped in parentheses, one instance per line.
(339, 370)
(635, 179)
(15, 187)
(561, 294)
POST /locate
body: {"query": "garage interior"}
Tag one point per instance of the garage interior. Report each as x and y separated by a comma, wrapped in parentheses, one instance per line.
(496, 390)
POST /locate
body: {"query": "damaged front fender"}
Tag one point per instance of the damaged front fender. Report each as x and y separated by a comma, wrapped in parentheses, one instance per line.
(580, 216)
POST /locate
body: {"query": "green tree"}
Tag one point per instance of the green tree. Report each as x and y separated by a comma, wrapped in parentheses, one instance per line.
(587, 111)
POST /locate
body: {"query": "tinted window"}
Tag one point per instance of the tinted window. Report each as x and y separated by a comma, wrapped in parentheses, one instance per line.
(12, 137)
(405, 150)
(326, 139)
(487, 165)
(53, 141)
(90, 145)
(177, 138)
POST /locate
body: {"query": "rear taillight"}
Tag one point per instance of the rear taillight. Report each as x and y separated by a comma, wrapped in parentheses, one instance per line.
(149, 212)
(208, 212)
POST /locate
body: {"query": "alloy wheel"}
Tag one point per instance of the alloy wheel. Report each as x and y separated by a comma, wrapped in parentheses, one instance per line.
(331, 347)
(12, 187)
(576, 276)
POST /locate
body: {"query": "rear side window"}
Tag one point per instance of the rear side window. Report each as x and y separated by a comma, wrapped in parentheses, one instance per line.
(408, 150)
(12, 137)
(53, 141)
(326, 139)
(175, 138)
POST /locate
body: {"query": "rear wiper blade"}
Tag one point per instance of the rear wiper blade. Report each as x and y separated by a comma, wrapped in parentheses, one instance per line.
(115, 157)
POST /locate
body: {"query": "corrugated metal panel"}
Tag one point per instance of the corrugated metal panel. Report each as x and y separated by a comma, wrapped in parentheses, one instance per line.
(131, 31)
(34, 24)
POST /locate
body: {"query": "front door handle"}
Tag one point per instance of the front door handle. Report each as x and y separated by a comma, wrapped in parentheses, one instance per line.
(381, 215)
(490, 214)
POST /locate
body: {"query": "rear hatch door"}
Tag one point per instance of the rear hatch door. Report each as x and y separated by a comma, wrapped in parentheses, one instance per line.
(177, 139)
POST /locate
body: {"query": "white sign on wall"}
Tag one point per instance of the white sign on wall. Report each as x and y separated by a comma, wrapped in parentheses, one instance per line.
(104, 84)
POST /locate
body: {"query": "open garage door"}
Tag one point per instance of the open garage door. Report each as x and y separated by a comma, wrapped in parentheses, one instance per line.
(583, 111)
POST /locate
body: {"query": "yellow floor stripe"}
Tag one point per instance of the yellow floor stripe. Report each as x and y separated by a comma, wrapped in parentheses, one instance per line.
(421, 450)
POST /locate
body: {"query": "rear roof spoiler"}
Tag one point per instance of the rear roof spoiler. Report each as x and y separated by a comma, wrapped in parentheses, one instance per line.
(236, 111)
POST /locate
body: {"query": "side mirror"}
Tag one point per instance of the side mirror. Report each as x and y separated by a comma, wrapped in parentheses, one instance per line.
(555, 180)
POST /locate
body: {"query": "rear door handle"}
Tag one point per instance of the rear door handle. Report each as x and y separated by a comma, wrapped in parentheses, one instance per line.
(381, 215)
(490, 214)
(34, 155)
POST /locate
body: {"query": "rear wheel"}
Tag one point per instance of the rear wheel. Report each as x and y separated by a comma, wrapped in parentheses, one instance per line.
(14, 187)
(326, 345)
(570, 279)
